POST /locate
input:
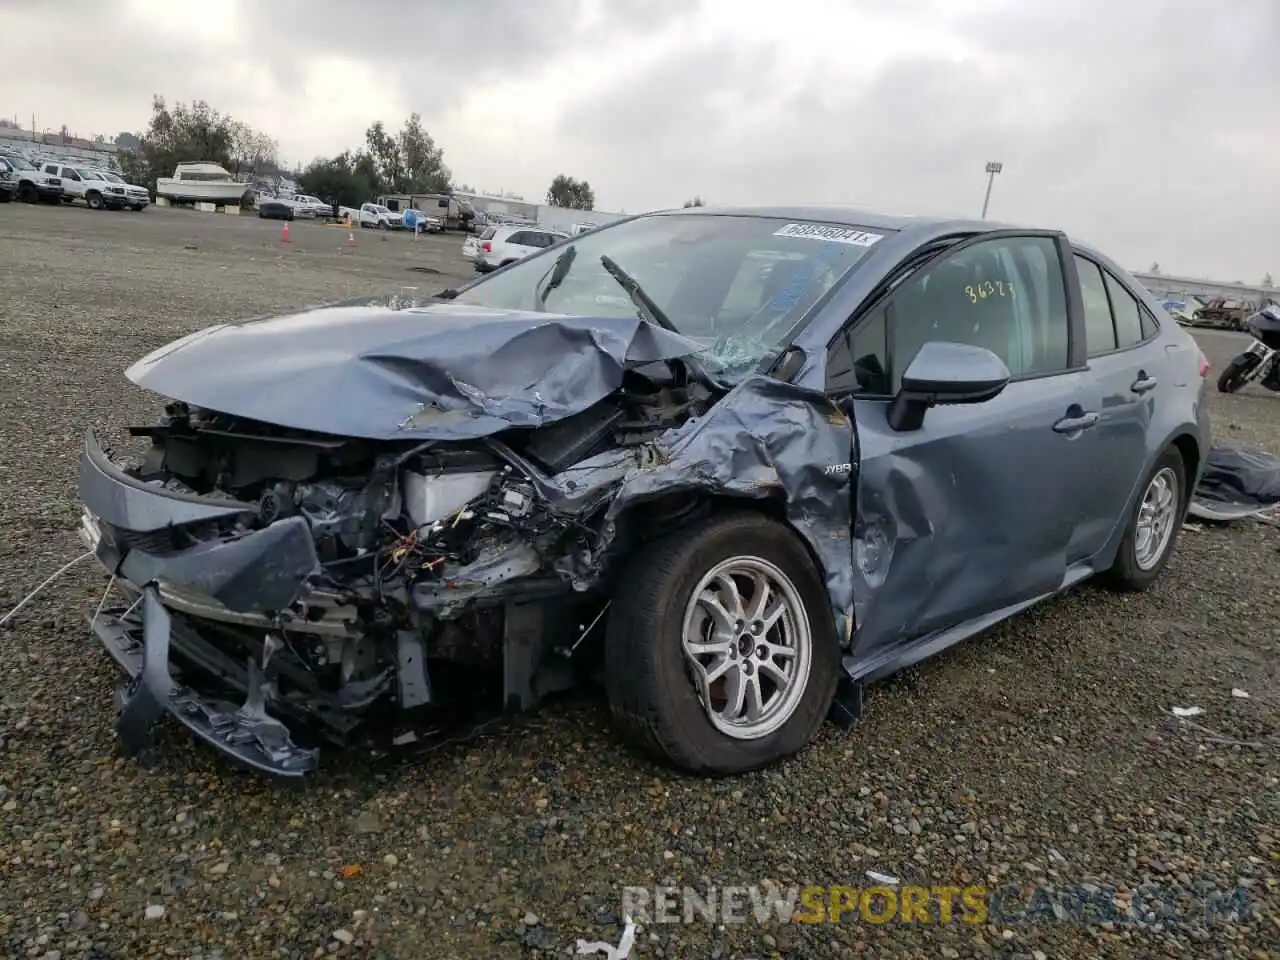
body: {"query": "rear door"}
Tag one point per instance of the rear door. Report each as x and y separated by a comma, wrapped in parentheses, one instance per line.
(973, 512)
(1126, 365)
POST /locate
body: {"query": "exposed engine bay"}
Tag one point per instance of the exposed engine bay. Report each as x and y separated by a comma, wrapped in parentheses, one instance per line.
(423, 555)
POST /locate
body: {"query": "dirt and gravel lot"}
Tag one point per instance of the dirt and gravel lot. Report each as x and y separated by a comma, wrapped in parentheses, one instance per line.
(1042, 754)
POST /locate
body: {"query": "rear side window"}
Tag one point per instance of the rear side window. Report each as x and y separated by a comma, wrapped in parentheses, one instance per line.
(1150, 325)
(1100, 332)
(1125, 310)
(488, 233)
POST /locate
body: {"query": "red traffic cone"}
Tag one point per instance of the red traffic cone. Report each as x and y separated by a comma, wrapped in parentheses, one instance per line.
(284, 234)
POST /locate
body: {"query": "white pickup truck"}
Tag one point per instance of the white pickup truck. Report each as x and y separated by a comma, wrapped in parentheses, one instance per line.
(93, 187)
(313, 205)
(32, 183)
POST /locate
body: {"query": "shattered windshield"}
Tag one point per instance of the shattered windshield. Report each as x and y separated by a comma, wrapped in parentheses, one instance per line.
(736, 284)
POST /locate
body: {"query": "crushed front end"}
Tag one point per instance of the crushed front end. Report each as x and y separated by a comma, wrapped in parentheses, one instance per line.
(283, 589)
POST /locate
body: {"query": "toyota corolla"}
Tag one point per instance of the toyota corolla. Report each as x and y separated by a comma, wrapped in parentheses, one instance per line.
(755, 458)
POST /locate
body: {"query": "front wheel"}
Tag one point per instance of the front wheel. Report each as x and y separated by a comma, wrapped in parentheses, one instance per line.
(94, 200)
(721, 653)
(1153, 527)
(27, 193)
(1236, 373)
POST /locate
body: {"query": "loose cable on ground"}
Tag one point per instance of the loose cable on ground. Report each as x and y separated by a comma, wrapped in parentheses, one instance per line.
(36, 592)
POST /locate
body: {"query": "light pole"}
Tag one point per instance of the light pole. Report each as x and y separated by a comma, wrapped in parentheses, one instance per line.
(993, 167)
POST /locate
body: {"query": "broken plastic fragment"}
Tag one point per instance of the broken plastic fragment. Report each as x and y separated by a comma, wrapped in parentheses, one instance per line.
(1239, 694)
(351, 870)
(1186, 711)
(887, 879)
(620, 952)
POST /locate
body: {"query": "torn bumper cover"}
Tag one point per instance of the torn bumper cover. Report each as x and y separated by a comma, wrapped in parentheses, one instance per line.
(136, 529)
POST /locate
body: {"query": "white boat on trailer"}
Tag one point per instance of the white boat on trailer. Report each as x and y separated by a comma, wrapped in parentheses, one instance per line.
(208, 182)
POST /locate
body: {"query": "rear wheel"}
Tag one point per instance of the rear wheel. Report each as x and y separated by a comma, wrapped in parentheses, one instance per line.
(94, 199)
(721, 655)
(1236, 373)
(1153, 527)
(27, 193)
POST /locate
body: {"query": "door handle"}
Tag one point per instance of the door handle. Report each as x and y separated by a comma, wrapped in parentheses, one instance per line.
(1143, 383)
(1076, 424)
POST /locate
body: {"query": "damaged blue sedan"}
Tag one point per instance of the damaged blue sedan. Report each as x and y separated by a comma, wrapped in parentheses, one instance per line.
(752, 458)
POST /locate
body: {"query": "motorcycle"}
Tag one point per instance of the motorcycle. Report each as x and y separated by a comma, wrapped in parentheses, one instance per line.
(1261, 361)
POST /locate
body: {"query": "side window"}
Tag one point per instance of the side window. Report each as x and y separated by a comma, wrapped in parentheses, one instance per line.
(521, 238)
(1125, 309)
(1006, 295)
(1150, 325)
(1099, 332)
(858, 361)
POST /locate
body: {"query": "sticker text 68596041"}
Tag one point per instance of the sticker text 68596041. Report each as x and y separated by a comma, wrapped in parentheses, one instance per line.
(822, 231)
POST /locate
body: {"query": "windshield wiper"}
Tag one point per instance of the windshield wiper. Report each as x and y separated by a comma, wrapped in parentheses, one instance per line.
(652, 312)
(644, 303)
(559, 270)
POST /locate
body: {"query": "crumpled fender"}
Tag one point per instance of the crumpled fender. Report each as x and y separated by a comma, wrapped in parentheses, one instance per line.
(767, 438)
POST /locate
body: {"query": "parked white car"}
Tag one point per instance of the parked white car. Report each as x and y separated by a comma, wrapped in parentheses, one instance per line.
(93, 187)
(33, 183)
(376, 216)
(499, 246)
(8, 181)
(314, 206)
(139, 197)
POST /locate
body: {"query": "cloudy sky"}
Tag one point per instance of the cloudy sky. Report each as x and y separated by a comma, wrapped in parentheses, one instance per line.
(1150, 128)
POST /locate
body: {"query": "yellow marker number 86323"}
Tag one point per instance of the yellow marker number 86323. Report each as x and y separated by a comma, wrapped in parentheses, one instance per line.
(989, 288)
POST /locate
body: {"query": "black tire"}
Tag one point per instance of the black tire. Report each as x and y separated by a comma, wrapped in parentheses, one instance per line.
(137, 207)
(653, 699)
(384, 225)
(1233, 374)
(1125, 574)
(6, 195)
(28, 193)
(94, 199)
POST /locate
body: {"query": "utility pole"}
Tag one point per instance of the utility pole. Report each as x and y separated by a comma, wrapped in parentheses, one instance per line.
(993, 167)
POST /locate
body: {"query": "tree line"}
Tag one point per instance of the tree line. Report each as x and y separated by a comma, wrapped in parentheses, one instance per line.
(407, 161)
(191, 133)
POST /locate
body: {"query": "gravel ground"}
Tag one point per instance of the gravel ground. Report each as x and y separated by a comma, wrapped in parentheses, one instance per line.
(1043, 754)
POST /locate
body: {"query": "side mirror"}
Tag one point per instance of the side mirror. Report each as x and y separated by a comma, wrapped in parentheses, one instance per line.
(945, 372)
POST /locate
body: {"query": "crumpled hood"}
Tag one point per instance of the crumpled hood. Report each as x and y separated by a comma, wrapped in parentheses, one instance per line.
(400, 368)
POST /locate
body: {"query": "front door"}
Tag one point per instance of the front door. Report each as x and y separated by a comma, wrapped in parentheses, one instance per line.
(973, 512)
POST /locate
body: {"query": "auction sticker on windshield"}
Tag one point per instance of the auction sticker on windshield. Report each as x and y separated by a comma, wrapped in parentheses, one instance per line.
(821, 231)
